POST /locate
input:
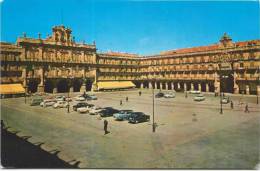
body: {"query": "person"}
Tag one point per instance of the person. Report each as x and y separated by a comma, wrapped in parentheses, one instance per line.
(121, 103)
(231, 105)
(246, 109)
(186, 94)
(140, 93)
(105, 126)
(126, 99)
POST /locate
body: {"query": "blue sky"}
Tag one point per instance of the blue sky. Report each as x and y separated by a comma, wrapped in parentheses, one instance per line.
(143, 27)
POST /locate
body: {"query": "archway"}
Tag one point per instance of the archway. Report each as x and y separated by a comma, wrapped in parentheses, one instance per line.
(169, 86)
(203, 87)
(211, 87)
(188, 86)
(163, 86)
(227, 84)
(76, 85)
(48, 86)
(62, 86)
(196, 87)
(89, 85)
(33, 86)
(158, 85)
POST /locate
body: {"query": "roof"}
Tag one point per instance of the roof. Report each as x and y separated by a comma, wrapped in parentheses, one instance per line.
(207, 48)
(121, 54)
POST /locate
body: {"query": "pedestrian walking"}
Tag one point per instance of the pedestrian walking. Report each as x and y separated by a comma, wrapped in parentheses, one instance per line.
(105, 126)
(186, 94)
(231, 105)
(140, 93)
(126, 99)
(246, 109)
(121, 103)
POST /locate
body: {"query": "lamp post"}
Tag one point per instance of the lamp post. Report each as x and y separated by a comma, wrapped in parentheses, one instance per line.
(257, 101)
(153, 124)
(220, 95)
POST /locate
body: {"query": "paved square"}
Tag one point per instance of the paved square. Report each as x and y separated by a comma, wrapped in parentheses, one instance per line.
(182, 139)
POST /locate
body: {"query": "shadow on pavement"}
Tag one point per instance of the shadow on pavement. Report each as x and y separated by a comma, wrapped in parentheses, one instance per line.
(17, 152)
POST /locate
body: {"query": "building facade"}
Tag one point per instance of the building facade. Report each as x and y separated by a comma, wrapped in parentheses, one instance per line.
(59, 64)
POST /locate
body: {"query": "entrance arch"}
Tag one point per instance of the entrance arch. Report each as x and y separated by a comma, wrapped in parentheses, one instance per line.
(33, 86)
(76, 85)
(227, 84)
(62, 86)
(89, 85)
(48, 86)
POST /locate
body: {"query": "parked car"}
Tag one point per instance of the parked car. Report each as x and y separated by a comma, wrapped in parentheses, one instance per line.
(137, 117)
(159, 95)
(83, 109)
(199, 97)
(194, 92)
(80, 98)
(108, 111)
(225, 100)
(90, 97)
(81, 104)
(122, 115)
(169, 95)
(36, 101)
(94, 110)
(60, 104)
(60, 98)
(48, 102)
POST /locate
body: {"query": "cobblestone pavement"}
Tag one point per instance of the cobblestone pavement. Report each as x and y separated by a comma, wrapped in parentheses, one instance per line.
(189, 134)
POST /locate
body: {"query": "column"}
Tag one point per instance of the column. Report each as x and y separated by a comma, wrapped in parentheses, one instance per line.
(160, 86)
(55, 90)
(247, 89)
(236, 87)
(172, 84)
(142, 85)
(178, 85)
(155, 85)
(150, 85)
(199, 86)
(207, 87)
(41, 85)
(216, 87)
(83, 87)
(191, 86)
(185, 86)
(71, 89)
(166, 86)
(258, 89)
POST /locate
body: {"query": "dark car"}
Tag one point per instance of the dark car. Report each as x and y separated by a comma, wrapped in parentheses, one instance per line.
(81, 104)
(108, 111)
(137, 117)
(159, 95)
(90, 97)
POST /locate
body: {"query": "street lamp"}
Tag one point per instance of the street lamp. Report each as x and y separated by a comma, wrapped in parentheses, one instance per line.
(153, 125)
(257, 102)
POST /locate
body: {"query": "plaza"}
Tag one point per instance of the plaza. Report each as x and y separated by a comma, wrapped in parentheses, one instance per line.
(189, 134)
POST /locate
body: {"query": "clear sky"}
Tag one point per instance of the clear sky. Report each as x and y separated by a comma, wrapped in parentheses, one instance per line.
(143, 27)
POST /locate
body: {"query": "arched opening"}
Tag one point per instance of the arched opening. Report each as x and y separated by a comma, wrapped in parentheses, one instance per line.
(76, 85)
(48, 86)
(227, 84)
(153, 85)
(158, 85)
(188, 86)
(163, 86)
(252, 88)
(211, 87)
(62, 86)
(203, 87)
(181, 86)
(146, 84)
(169, 86)
(175, 86)
(196, 86)
(137, 84)
(33, 86)
(89, 85)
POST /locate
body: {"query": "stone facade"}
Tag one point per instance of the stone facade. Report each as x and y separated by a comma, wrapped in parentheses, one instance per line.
(59, 64)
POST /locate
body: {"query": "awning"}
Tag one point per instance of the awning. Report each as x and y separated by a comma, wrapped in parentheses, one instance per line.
(108, 85)
(11, 89)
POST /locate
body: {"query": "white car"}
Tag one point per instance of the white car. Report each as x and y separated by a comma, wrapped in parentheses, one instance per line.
(95, 110)
(48, 102)
(169, 95)
(60, 104)
(199, 98)
(194, 92)
(80, 98)
(60, 98)
(83, 109)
